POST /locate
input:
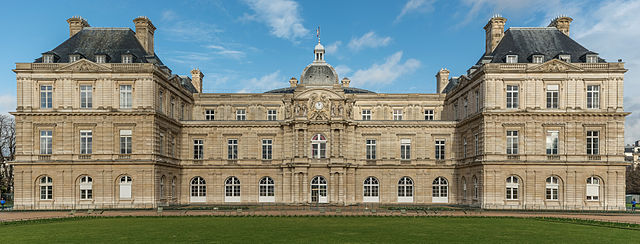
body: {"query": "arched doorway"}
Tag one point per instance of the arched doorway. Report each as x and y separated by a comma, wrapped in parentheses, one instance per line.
(319, 190)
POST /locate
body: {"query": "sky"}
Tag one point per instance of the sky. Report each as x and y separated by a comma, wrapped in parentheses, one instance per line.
(384, 46)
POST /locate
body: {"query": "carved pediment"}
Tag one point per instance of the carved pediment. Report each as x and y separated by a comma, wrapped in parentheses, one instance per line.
(555, 65)
(84, 65)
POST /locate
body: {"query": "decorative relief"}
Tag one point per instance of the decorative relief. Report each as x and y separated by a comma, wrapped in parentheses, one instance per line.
(318, 106)
(555, 66)
(84, 66)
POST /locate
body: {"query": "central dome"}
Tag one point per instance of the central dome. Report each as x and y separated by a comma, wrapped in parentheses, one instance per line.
(319, 74)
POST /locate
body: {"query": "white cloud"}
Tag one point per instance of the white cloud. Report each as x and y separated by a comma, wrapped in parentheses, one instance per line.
(282, 16)
(7, 103)
(223, 51)
(265, 83)
(343, 70)
(333, 48)
(385, 73)
(415, 6)
(169, 15)
(370, 39)
(184, 30)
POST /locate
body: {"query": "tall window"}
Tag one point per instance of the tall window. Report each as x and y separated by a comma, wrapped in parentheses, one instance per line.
(405, 189)
(182, 111)
(86, 139)
(86, 96)
(371, 186)
(512, 96)
(405, 149)
(173, 187)
(428, 114)
(512, 142)
(440, 188)
(161, 144)
(593, 188)
(593, 141)
(272, 114)
(552, 96)
(210, 114)
(160, 101)
(198, 149)
(172, 107)
(371, 149)
(241, 114)
(465, 106)
(366, 114)
(125, 187)
(464, 188)
(455, 110)
(318, 146)
(464, 147)
(552, 142)
(172, 145)
(232, 149)
(476, 188)
(46, 141)
(440, 150)
(267, 148)
(319, 189)
(593, 96)
(125, 141)
(46, 96)
(125, 96)
(232, 187)
(477, 96)
(46, 188)
(477, 144)
(198, 189)
(397, 114)
(86, 188)
(512, 188)
(552, 188)
(267, 187)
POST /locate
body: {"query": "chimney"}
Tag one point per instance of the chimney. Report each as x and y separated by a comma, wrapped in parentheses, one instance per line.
(442, 79)
(495, 31)
(196, 79)
(562, 23)
(76, 23)
(345, 82)
(144, 33)
(293, 82)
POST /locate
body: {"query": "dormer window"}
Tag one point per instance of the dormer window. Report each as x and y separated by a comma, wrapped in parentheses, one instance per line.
(592, 58)
(512, 59)
(101, 59)
(127, 59)
(565, 57)
(47, 58)
(73, 58)
(537, 59)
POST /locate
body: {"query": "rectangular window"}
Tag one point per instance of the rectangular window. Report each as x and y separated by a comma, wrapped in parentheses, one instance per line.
(46, 96)
(593, 96)
(125, 96)
(209, 114)
(512, 59)
(440, 149)
(101, 59)
(241, 114)
(455, 110)
(127, 59)
(537, 59)
(371, 149)
(366, 114)
(182, 111)
(267, 148)
(172, 145)
(46, 141)
(160, 100)
(172, 106)
(477, 101)
(47, 58)
(405, 149)
(232, 149)
(86, 139)
(428, 114)
(272, 114)
(593, 141)
(465, 105)
(161, 144)
(512, 142)
(477, 144)
(73, 58)
(86, 96)
(397, 114)
(552, 142)
(552, 96)
(512, 96)
(125, 141)
(198, 149)
(592, 58)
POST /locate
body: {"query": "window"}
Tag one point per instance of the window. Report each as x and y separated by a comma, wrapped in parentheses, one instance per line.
(198, 189)
(428, 114)
(125, 187)
(593, 96)
(592, 58)
(86, 188)
(405, 149)
(440, 190)
(455, 110)
(172, 107)
(46, 141)
(538, 59)
(46, 188)
(366, 114)
(125, 141)
(172, 145)
(125, 96)
(405, 189)
(371, 149)
(552, 188)
(464, 188)
(86, 139)
(512, 188)
(440, 150)
(173, 187)
(477, 101)
(512, 96)
(127, 59)
(565, 58)
(182, 111)
(319, 189)
(512, 142)
(232, 149)
(593, 139)
(47, 58)
(552, 142)
(593, 188)
(160, 100)
(318, 146)
(272, 114)
(73, 58)
(552, 96)
(241, 114)
(512, 59)
(477, 144)
(86, 97)
(198, 149)
(46, 96)
(267, 147)
(266, 190)
(397, 114)
(371, 187)
(232, 189)
(101, 59)
(209, 114)
(476, 188)
(464, 147)
(162, 180)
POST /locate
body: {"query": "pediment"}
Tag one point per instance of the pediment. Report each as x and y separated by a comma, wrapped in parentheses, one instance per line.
(84, 65)
(318, 92)
(555, 65)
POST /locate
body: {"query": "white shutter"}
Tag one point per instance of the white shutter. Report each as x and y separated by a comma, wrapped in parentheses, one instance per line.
(125, 191)
(593, 190)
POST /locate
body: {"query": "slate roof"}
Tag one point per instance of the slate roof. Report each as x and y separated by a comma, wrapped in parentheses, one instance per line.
(347, 90)
(185, 82)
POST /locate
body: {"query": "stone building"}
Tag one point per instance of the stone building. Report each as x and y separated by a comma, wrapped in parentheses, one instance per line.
(538, 122)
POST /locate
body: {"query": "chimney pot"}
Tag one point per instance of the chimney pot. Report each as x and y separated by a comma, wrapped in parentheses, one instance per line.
(494, 32)
(144, 33)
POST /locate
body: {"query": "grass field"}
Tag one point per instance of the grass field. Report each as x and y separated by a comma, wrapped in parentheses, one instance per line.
(310, 229)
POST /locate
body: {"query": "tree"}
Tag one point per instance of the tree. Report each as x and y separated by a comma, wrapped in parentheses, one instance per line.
(633, 180)
(7, 152)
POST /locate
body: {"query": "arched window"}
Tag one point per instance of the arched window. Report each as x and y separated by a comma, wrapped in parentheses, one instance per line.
(319, 146)
(86, 188)
(512, 188)
(267, 190)
(405, 189)
(476, 188)
(232, 189)
(319, 190)
(46, 188)
(162, 180)
(464, 188)
(440, 190)
(371, 188)
(552, 188)
(593, 188)
(198, 189)
(173, 187)
(125, 187)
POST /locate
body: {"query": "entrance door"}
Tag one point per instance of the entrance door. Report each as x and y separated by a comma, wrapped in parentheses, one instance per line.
(319, 190)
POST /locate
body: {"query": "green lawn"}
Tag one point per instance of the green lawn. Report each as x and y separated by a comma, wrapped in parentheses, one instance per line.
(310, 229)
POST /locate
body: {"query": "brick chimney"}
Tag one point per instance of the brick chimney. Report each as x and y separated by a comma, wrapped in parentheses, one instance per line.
(76, 24)
(495, 31)
(345, 82)
(196, 79)
(144, 33)
(562, 23)
(442, 79)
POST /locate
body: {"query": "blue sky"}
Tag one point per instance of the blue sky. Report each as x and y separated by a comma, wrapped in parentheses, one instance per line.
(384, 46)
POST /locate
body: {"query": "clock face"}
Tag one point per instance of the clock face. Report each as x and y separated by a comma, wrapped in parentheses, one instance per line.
(319, 105)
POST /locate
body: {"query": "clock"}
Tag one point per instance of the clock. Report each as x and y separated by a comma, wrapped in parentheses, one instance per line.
(319, 105)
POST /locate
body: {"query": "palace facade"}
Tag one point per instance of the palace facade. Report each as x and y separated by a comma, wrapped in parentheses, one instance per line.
(537, 122)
